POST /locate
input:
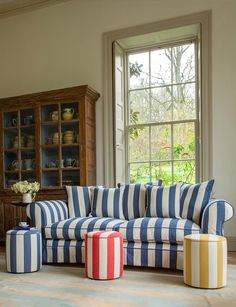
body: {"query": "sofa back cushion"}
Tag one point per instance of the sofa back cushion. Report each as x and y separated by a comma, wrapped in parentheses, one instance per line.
(79, 201)
(163, 201)
(134, 200)
(194, 198)
(107, 202)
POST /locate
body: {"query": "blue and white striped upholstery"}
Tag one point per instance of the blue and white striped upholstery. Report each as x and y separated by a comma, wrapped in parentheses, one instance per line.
(214, 215)
(63, 251)
(136, 254)
(76, 228)
(159, 230)
(107, 203)
(79, 201)
(159, 255)
(163, 201)
(23, 251)
(44, 213)
(194, 198)
(134, 200)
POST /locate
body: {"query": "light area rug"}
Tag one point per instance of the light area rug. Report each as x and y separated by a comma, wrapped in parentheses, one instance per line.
(63, 285)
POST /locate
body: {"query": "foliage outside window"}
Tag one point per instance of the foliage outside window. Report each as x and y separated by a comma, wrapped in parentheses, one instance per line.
(162, 114)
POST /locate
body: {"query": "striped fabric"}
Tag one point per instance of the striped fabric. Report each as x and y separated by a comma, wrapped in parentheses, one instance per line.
(194, 198)
(104, 255)
(76, 228)
(79, 200)
(134, 200)
(23, 251)
(214, 215)
(205, 261)
(107, 203)
(63, 251)
(157, 230)
(44, 213)
(163, 201)
(159, 255)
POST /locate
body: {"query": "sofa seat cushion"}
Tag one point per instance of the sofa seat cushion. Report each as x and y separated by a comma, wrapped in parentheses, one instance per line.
(76, 228)
(159, 230)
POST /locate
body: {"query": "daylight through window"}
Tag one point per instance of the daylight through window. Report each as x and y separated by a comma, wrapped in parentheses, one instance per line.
(162, 122)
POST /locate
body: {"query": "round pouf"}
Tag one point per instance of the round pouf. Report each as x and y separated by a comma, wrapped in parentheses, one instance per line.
(104, 255)
(205, 261)
(23, 251)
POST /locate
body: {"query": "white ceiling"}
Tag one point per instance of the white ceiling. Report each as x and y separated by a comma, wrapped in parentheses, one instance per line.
(9, 7)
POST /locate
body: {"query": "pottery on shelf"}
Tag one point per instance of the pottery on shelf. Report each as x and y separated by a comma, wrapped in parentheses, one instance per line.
(69, 137)
(16, 141)
(30, 141)
(54, 115)
(55, 138)
(29, 164)
(67, 113)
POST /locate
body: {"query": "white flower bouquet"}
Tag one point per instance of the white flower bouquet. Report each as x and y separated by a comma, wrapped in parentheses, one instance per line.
(25, 187)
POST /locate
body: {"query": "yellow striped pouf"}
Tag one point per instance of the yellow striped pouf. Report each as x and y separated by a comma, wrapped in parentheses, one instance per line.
(205, 261)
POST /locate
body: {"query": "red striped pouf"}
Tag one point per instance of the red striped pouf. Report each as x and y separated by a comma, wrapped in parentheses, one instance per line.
(104, 255)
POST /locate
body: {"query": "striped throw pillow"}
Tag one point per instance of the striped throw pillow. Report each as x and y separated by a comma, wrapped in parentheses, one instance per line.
(163, 201)
(194, 198)
(107, 202)
(79, 201)
(134, 199)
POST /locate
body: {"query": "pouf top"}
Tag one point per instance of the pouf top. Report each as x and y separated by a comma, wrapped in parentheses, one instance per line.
(103, 234)
(22, 232)
(204, 237)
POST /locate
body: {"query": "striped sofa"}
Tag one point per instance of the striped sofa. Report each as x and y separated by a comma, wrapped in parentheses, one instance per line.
(148, 241)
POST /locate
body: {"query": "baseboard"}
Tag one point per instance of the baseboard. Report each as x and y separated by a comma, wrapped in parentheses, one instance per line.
(231, 244)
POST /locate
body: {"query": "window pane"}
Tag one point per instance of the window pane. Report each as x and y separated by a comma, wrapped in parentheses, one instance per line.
(138, 70)
(138, 144)
(183, 64)
(161, 105)
(184, 141)
(139, 107)
(161, 142)
(139, 172)
(184, 171)
(184, 106)
(161, 170)
(161, 67)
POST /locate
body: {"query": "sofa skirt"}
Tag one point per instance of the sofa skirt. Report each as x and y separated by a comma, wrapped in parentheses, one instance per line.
(160, 255)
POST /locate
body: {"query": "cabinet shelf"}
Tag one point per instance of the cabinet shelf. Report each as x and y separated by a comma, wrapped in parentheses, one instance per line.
(50, 169)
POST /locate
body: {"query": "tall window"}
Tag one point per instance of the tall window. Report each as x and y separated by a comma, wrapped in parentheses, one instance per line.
(162, 108)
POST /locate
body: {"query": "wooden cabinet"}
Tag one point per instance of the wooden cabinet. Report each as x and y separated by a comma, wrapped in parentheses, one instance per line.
(48, 137)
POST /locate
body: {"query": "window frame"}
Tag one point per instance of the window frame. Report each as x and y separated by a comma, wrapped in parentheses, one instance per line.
(196, 121)
(204, 19)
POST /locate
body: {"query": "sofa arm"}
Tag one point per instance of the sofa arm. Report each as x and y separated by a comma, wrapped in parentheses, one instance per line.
(44, 213)
(214, 215)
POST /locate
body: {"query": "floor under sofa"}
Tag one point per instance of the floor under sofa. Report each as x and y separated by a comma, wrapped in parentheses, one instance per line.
(66, 285)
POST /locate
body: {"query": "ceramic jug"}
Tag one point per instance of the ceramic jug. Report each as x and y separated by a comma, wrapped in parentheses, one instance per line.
(69, 137)
(54, 115)
(68, 113)
(55, 138)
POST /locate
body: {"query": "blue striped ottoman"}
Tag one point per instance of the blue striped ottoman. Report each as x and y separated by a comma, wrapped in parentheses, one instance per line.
(23, 251)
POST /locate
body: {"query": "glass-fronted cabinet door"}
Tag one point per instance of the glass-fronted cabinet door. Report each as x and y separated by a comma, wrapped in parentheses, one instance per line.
(60, 144)
(70, 144)
(19, 146)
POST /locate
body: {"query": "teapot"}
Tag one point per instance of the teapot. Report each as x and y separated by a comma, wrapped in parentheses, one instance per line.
(68, 113)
